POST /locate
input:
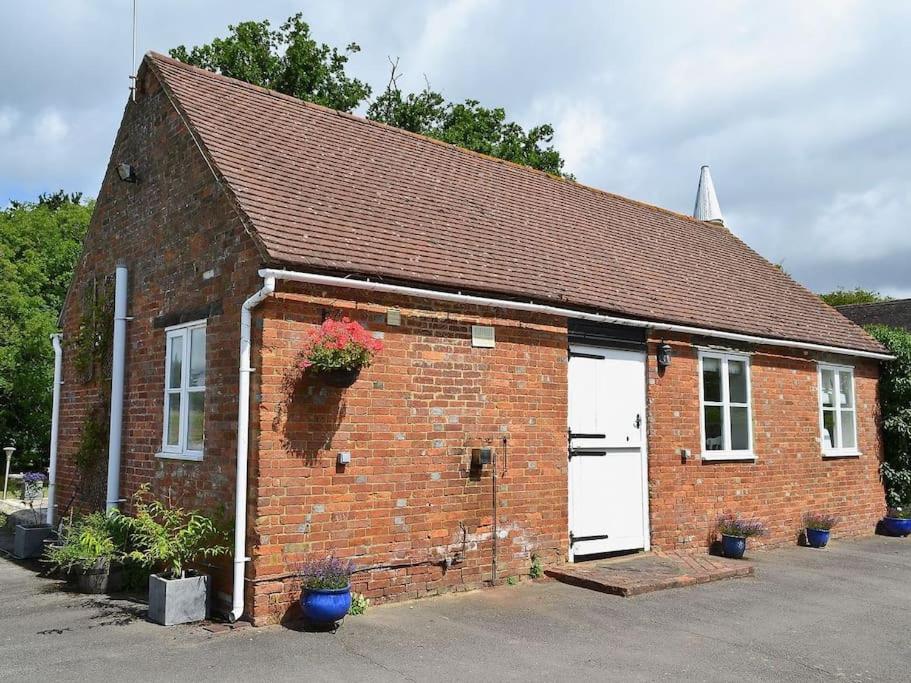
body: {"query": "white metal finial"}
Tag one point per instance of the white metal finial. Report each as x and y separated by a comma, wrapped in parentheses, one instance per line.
(707, 207)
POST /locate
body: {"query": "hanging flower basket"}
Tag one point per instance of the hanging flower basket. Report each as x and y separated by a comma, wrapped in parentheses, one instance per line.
(337, 351)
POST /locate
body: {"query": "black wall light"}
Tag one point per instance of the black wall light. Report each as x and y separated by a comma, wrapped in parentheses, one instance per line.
(664, 355)
(126, 172)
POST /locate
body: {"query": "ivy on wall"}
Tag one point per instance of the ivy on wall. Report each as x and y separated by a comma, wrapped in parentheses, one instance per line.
(91, 347)
(895, 404)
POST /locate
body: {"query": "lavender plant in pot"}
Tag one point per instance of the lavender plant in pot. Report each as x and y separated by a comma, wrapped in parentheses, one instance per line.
(325, 590)
(31, 531)
(817, 528)
(734, 534)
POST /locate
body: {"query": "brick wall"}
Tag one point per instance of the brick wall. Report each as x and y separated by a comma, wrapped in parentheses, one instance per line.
(789, 476)
(409, 496)
(186, 252)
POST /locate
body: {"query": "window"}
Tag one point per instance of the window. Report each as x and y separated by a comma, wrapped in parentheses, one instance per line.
(836, 410)
(185, 391)
(724, 385)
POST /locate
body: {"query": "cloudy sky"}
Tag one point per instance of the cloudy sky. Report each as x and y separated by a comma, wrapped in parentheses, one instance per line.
(802, 109)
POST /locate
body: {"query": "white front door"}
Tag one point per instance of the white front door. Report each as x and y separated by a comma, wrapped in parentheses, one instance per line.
(608, 480)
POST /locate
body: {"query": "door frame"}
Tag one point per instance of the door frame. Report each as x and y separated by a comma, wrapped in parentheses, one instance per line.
(646, 525)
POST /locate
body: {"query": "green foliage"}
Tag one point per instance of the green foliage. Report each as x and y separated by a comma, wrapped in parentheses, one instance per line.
(170, 538)
(537, 567)
(895, 406)
(93, 443)
(287, 60)
(843, 297)
(359, 604)
(290, 61)
(3, 520)
(86, 542)
(512, 581)
(39, 246)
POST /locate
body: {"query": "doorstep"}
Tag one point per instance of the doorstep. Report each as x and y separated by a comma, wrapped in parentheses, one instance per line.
(643, 573)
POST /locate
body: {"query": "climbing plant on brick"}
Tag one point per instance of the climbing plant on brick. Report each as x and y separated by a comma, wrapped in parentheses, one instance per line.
(895, 402)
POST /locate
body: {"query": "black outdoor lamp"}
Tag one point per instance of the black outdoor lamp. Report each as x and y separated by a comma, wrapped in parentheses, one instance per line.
(664, 355)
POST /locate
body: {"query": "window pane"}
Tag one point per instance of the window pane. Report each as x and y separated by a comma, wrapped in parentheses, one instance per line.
(846, 395)
(828, 387)
(198, 357)
(848, 436)
(176, 362)
(714, 428)
(173, 419)
(197, 406)
(737, 382)
(828, 429)
(711, 379)
(740, 429)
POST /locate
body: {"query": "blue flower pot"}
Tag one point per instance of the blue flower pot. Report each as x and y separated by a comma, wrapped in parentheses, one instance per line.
(817, 538)
(895, 526)
(325, 605)
(733, 546)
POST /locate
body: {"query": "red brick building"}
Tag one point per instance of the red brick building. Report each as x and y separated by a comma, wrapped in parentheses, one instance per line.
(512, 306)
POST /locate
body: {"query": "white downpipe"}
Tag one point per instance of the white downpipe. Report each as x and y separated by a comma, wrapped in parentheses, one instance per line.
(243, 432)
(117, 373)
(555, 310)
(55, 427)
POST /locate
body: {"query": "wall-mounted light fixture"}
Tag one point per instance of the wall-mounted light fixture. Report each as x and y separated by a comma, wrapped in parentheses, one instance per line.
(126, 172)
(664, 355)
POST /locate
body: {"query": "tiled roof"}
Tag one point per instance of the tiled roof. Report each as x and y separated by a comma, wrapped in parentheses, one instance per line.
(331, 192)
(892, 313)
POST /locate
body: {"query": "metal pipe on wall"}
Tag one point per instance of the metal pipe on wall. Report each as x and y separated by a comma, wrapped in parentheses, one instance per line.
(55, 430)
(117, 380)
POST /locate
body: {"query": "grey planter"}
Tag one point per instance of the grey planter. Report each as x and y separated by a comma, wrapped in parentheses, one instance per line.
(28, 541)
(178, 601)
(95, 580)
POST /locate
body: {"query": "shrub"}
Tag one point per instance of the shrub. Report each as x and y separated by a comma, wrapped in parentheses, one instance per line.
(537, 567)
(899, 512)
(85, 542)
(820, 521)
(733, 525)
(339, 345)
(895, 403)
(328, 574)
(359, 604)
(170, 538)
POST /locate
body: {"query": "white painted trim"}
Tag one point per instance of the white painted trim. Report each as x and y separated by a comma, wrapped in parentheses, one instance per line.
(721, 456)
(183, 331)
(191, 456)
(837, 410)
(437, 295)
(726, 405)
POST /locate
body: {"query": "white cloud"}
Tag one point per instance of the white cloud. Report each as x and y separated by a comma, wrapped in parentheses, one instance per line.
(8, 118)
(50, 128)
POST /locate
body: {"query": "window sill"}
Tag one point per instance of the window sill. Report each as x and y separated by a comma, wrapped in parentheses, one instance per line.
(834, 455)
(722, 456)
(192, 457)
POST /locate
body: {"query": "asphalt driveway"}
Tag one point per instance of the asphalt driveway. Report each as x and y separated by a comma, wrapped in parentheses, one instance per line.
(843, 612)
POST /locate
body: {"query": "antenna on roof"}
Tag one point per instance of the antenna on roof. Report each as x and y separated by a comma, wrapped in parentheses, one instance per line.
(133, 59)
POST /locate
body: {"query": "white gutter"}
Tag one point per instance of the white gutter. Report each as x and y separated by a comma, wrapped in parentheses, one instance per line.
(117, 372)
(243, 429)
(55, 428)
(563, 312)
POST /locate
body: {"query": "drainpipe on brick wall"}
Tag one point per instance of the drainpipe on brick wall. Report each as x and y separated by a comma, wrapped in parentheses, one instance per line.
(55, 427)
(243, 432)
(117, 374)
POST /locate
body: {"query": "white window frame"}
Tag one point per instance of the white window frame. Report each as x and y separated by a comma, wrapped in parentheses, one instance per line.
(180, 451)
(726, 453)
(837, 451)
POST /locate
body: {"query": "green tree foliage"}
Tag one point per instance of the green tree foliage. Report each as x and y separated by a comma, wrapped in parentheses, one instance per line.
(895, 404)
(290, 61)
(287, 60)
(843, 297)
(39, 245)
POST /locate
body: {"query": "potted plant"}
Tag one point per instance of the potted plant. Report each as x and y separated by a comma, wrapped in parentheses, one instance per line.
(85, 547)
(735, 532)
(325, 590)
(170, 539)
(897, 521)
(817, 528)
(337, 350)
(31, 532)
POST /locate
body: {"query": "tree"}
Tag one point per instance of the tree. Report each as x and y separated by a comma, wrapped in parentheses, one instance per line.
(290, 61)
(287, 60)
(39, 245)
(843, 297)
(895, 407)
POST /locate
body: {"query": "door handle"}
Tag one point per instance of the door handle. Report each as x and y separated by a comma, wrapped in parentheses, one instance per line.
(638, 421)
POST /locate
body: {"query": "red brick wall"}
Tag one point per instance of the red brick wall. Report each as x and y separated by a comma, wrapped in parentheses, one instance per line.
(408, 497)
(185, 250)
(788, 478)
